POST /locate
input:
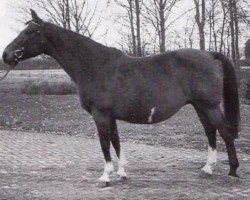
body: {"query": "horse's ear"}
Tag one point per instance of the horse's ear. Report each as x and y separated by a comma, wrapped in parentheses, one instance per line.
(35, 17)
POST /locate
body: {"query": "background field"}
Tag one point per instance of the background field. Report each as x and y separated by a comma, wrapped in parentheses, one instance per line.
(20, 109)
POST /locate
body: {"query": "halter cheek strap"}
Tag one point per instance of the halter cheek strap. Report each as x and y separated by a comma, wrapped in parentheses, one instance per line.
(20, 52)
(41, 32)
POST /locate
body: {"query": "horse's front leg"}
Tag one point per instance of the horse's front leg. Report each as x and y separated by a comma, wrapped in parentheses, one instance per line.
(115, 140)
(102, 121)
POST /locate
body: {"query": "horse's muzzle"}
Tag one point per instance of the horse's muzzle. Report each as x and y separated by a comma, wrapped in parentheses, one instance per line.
(10, 58)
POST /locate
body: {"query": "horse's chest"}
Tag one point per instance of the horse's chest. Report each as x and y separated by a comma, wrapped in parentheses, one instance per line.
(86, 101)
(95, 98)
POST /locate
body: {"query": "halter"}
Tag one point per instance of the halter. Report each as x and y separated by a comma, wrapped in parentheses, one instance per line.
(19, 52)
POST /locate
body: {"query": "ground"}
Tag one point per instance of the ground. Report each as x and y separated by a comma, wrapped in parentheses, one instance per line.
(49, 166)
(49, 150)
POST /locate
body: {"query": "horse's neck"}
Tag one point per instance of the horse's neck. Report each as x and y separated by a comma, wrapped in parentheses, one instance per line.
(75, 53)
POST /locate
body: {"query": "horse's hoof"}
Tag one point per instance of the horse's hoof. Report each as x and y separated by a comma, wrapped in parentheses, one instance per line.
(122, 178)
(207, 169)
(233, 174)
(204, 174)
(102, 184)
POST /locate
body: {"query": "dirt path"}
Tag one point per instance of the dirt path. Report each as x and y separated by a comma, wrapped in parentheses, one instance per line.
(49, 166)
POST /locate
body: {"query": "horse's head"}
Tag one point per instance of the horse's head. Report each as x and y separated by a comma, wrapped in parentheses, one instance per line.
(29, 43)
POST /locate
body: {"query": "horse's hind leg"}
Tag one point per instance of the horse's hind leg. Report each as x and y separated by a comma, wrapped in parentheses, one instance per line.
(210, 131)
(217, 119)
(115, 140)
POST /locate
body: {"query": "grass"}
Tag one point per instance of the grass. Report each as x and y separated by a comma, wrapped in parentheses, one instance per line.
(49, 88)
(37, 63)
(34, 82)
(57, 82)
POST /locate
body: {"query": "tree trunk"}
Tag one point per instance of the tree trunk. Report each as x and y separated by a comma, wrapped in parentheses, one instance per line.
(236, 23)
(138, 28)
(162, 27)
(232, 30)
(132, 29)
(200, 20)
(223, 26)
(67, 14)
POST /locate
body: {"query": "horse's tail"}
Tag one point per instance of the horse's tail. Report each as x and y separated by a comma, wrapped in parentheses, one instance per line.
(230, 92)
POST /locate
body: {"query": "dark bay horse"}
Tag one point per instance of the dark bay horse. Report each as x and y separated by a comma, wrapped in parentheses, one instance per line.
(113, 86)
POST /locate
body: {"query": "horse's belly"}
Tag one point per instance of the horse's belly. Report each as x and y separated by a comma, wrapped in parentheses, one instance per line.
(149, 104)
(149, 115)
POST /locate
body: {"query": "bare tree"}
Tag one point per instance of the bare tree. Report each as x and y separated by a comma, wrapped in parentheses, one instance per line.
(224, 21)
(76, 12)
(157, 13)
(74, 15)
(200, 18)
(213, 32)
(234, 28)
(67, 13)
(132, 20)
(138, 27)
(127, 20)
(82, 17)
(189, 31)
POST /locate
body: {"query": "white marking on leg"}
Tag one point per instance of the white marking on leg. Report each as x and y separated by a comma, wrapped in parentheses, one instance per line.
(108, 168)
(121, 165)
(152, 112)
(211, 161)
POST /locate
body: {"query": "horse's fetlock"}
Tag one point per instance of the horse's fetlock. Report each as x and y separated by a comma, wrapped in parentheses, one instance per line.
(234, 165)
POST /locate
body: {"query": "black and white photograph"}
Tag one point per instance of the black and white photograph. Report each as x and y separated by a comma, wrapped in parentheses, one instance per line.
(124, 99)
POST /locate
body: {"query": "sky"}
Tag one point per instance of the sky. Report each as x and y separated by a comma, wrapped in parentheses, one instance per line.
(10, 26)
(4, 34)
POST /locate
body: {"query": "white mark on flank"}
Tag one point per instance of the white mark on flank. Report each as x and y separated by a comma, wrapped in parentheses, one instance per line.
(150, 118)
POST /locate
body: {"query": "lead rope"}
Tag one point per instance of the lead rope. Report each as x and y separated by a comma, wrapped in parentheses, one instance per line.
(5, 74)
